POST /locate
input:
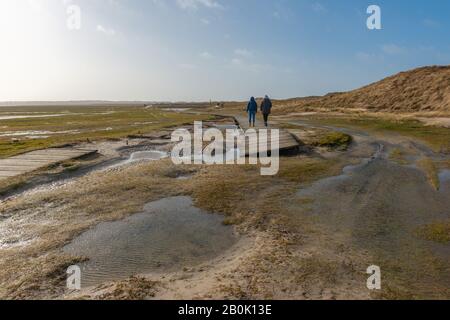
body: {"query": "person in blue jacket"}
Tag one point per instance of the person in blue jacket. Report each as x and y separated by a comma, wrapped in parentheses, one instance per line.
(252, 109)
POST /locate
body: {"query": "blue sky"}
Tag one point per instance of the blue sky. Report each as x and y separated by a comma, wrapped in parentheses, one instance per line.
(211, 49)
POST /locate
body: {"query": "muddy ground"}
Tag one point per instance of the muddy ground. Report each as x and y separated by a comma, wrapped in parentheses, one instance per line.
(309, 232)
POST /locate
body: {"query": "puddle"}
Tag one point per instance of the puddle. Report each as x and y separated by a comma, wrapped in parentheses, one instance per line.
(185, 177)
(226, 126)
(444, 179)
(444, 175)
(147, 155)
(11, 117)
(167, 236)
(31, 115)
(24, 117)
(37, 133)
(17, 244)
(37, 137)
(177, 109)
(138, 156)
(230, 155)
(347, 173)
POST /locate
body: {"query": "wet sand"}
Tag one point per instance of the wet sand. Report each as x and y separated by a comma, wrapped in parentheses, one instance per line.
(379, 205)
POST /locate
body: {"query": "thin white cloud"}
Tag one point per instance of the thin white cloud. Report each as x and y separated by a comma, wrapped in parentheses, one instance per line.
(236, 61)
(393, 49)
(106, 31)
(206, 55)
(282, 12)
(243, 53)
(195, 4)
(242, 57)
(430, 23)
(159, 2)
(258, 67)
(365, 56)
(318, 7)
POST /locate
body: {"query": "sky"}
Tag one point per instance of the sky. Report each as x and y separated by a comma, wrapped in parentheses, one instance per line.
(197, 50)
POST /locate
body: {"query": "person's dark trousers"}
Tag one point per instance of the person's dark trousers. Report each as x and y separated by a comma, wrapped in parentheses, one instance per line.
(266, 119)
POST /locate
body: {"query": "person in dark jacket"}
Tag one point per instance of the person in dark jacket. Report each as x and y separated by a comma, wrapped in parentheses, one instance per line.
(252, 109)
(266, 109)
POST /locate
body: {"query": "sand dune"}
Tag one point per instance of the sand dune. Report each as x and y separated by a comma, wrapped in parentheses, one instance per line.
(424, 89)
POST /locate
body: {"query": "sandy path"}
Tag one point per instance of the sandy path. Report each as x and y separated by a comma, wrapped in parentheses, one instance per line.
(379, 205)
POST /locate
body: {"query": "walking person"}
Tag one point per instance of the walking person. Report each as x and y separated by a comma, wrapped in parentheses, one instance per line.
(266, 109)
(252, 109)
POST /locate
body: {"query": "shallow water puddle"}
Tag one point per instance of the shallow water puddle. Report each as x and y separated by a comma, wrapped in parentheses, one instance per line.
(226, 126)
(444, 175)
(444, 179)
(12, 117)
(168, 235)
(138, 156)
(35, 133)
(185, 176)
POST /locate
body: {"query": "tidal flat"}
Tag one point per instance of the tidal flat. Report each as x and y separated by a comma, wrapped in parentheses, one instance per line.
(309, 232)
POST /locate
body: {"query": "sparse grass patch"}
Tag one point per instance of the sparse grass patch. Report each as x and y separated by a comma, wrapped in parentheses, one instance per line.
(305, 170)
(398, 156)
(437, 232)
(445, 164)
(438, 138)
(333, 140)
(304, 201)
(223, 190)
(135, 288)
(73, 168)
(320, 137)
(315, 268)
(231, 221)
(10, 184)
(428, 166)
(394, 293)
